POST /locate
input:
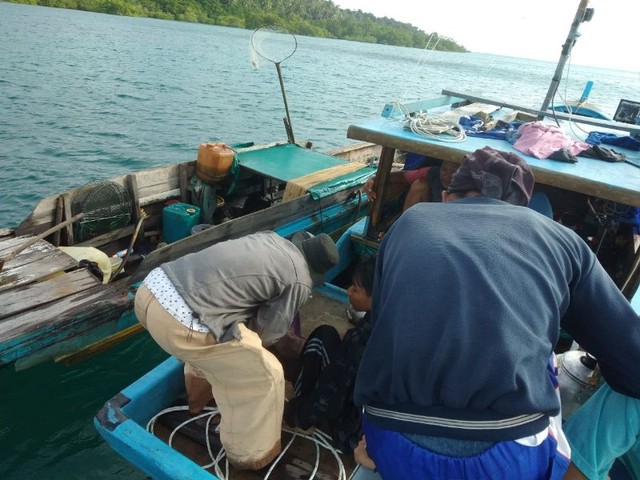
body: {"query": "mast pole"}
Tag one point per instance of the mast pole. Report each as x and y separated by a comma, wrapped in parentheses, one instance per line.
(582, 15)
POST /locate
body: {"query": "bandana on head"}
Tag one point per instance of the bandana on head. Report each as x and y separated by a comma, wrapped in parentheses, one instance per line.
(495, 174)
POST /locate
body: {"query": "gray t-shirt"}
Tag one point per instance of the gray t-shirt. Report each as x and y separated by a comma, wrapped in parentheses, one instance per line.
(260, 279)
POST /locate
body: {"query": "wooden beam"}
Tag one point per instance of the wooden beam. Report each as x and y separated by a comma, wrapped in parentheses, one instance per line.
(67, 214)
(267, 219)
(108, 237)
(132, 186)
(37, 262)
(633, 129)
(160, 197)
(58, 219)
(184, 187)
(382, 177)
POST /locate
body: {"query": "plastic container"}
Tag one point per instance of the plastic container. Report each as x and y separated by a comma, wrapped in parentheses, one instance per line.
(177, 221)
(214, 162)
(201, 227)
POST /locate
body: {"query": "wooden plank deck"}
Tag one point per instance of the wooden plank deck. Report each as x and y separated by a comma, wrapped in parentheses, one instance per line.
(36, 329)
(35, 263)
(45, 298)
(24, 298)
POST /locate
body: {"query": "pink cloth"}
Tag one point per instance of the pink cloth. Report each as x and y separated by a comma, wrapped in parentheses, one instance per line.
(412, 175)
(540, 141)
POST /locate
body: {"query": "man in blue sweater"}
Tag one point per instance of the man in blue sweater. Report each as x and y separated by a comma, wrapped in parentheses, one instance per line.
(454, 379)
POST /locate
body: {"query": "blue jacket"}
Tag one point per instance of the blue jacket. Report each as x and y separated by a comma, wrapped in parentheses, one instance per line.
(468, 301)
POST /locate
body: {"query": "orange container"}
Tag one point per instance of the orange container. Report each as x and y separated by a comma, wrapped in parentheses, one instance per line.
(214, 162)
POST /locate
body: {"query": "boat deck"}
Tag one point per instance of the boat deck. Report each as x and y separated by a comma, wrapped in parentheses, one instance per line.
(51, 307)
(123, 421)
(44, 283)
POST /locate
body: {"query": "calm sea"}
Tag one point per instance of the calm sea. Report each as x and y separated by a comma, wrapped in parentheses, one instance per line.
(85, 96)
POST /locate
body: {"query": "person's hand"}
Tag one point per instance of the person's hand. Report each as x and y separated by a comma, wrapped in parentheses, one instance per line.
(290, 345)
(369, 188)
(361, 456)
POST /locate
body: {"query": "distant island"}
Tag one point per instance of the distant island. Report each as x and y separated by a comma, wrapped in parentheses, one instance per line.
(315, 18)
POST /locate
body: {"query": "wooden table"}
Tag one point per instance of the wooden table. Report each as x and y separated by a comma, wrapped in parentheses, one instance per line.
(617, 182)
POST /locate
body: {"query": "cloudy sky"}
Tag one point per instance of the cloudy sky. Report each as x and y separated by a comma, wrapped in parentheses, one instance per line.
(534, 29)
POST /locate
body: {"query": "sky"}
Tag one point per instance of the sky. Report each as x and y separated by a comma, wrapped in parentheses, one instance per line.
(532, 29)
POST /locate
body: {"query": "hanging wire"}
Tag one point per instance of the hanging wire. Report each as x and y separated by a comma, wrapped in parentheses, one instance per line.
(426, 54)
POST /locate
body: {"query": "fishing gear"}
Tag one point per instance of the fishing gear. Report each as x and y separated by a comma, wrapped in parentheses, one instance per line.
(276, 45)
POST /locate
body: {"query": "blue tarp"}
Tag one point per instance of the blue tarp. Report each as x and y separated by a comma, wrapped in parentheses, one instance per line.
(290, 161)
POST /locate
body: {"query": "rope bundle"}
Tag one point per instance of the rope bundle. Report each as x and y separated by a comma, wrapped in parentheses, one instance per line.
(435, 127)
(319, 438)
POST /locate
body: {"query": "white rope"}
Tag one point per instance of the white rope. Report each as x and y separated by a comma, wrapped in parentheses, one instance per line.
(435, 127)
(319, 438)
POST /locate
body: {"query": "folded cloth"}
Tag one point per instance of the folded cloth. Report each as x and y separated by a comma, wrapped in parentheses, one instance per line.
(563, 155)
(540, 140)
(602, 153)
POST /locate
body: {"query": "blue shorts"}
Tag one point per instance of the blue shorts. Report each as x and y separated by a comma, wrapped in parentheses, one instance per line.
(398, 458)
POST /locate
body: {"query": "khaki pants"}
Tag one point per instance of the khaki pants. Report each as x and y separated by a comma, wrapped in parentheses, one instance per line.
(246, 380)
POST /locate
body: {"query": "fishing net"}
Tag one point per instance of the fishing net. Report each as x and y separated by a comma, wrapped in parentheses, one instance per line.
(272, 43)
(106, 206)
(276, 45)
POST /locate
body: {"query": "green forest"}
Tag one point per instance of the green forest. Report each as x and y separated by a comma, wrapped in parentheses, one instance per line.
(316, 18)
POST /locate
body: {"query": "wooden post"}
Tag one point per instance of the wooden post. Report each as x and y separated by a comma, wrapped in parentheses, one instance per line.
(132, 186)
(58, 219)
(184, 187)
(382, 177)
(66, 200)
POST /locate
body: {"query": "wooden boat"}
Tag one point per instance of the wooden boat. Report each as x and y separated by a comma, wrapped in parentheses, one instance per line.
(599, 200)
(582, 106)
(130, 424)
(54, 305)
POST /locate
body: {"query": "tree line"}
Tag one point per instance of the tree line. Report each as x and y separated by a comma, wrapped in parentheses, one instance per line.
(315, 18)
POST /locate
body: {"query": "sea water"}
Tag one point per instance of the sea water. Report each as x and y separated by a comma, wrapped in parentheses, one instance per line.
(86, 96)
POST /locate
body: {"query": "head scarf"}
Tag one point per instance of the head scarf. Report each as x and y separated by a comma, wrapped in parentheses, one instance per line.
(495, 174)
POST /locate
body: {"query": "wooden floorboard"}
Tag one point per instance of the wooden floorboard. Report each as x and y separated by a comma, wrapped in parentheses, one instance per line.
(72, 316)
(34, 295)
(32, 266)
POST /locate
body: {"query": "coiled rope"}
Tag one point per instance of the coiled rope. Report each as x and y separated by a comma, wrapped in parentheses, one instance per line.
(435, 127)
(319, 438)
